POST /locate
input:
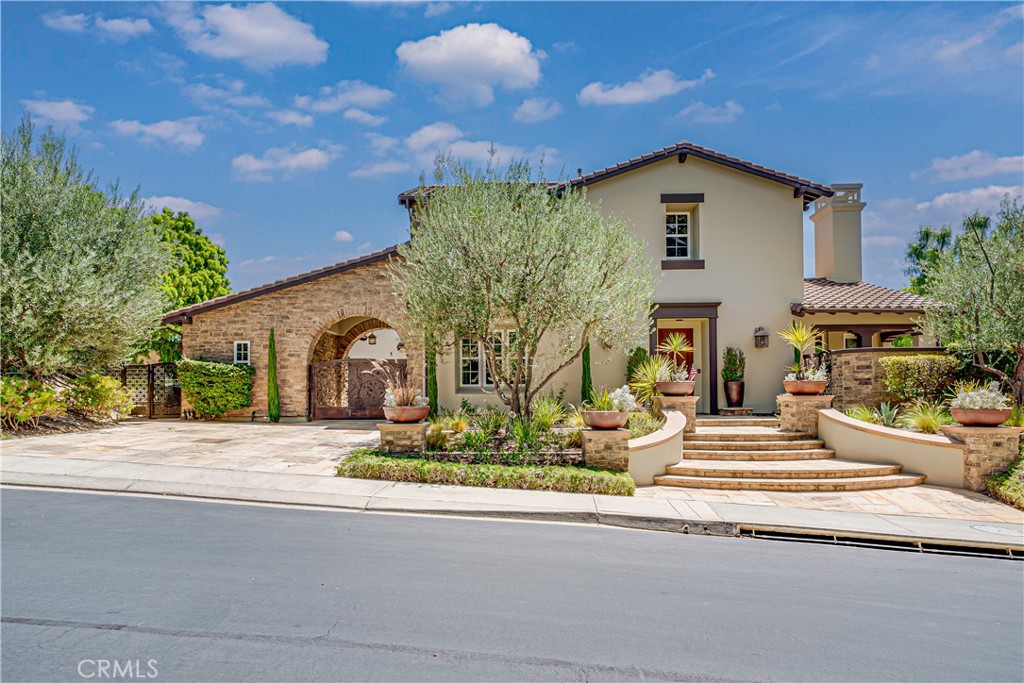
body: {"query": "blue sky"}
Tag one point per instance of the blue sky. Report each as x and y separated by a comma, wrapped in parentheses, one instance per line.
(288, 129)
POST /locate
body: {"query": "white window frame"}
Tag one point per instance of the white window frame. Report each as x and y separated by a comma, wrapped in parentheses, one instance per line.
(484, 379)
(248, 353)
(689, 235)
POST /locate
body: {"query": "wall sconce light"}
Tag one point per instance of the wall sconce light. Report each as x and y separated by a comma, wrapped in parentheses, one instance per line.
(401, 345)
(760, 338)
(371, 339)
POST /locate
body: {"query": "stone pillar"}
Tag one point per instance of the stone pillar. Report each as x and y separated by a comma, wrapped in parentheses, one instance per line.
(800, 413)
(987, 451)
(399, 437)
(687, 405)
(606, 449)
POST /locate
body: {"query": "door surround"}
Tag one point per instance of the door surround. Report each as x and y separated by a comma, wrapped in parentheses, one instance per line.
(704, 309)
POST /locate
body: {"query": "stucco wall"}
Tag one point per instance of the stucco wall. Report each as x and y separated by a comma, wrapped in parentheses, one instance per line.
(299, 316)
(650, 455)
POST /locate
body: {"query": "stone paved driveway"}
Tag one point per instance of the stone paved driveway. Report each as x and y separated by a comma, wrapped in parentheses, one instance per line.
(296, 448)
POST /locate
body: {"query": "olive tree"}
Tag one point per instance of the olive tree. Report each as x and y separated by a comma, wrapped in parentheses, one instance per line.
(980, 290)
(495, 251)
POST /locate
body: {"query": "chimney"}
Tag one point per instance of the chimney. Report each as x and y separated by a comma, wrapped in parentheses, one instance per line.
(837, 248)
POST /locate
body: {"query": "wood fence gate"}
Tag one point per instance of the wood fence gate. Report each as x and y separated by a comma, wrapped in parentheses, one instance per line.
(344, 388)
(154, 389)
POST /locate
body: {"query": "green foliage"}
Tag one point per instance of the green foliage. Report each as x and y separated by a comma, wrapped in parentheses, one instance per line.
(888, 415)
(493, 246)
(548, 411)
(646, 376)
(574, 438)
(863, 413)
(905, 341)
(437, 438)
(575, 419)
(602, 400)
(370, 464)
(636, 357)
(734, 364)
(924, 253)
(1016, 417)
(925, 416)
(526, 433)
(908, 378)
(491, 420)
(100, 396)
(273, 391)
(23, 402)
(642, 424)
(456, 421)
(80, 268)
(432, 381)
(215, 388)
(587, 380)
(803, 339)
(475, 441)
(1009, 486)
(981, 286)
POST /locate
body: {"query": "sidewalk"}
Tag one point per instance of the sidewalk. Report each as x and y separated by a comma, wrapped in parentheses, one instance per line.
(652, 508)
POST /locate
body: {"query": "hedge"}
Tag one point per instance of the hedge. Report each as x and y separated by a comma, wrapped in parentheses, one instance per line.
(908, 378)
(367, 463)
(1009, 486)
(214, 388)
(23, 402)
(100, 396)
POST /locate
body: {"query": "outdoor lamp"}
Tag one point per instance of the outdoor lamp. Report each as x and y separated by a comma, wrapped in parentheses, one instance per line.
(371, 339)
(760, 338)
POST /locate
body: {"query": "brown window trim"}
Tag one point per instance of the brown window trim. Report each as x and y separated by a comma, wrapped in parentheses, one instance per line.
(682, 264)
(683, 198)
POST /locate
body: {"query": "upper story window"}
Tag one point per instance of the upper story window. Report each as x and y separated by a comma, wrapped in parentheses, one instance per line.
(241, 352)
(473, 371)
(678, 237)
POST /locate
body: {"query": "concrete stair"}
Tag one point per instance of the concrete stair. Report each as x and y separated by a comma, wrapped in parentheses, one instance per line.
(753, 454)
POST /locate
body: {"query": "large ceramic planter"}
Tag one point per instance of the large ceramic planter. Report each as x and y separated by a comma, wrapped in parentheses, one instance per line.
(981, 417)
(734, 394)
(805, 387)
(406, 413)
(605, 419)
(684, 388)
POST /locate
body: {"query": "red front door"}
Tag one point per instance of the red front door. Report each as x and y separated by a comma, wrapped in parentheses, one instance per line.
(687, 332)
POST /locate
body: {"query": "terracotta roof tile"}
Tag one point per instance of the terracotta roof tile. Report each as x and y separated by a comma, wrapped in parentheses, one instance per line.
(825, 296)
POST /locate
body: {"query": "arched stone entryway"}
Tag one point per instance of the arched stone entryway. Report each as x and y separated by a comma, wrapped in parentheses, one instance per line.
(341, 381)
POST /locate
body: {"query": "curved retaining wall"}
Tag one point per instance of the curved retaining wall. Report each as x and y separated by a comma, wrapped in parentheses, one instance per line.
(650, 455)
(937, 457)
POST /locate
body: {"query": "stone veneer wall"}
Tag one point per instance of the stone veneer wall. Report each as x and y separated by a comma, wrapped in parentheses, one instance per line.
(857, 375)
(299, 315)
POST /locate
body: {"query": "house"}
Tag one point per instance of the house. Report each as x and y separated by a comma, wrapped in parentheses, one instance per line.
(725, 235)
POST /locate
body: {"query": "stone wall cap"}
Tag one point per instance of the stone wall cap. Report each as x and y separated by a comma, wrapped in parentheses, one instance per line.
(994, 431)
(402, 426)
(804, 397)
(881, 430)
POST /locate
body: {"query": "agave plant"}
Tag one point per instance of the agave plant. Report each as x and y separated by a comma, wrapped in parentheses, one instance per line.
(925, 416)
(888, 415)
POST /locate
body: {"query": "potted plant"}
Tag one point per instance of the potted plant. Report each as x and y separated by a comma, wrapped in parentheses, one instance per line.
(402, 400)
(609, 411)
(734, 364)
(804, 378)
(980, 406)
(676, 379)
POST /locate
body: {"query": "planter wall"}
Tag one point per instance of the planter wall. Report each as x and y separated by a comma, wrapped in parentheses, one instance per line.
(650, 455)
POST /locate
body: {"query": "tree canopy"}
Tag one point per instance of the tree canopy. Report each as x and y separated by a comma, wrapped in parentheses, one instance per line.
(506, 251)
(81, 268)
(924, 253)
(980, 284)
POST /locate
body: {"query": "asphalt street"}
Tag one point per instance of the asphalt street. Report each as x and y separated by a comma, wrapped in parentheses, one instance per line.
(179, 590)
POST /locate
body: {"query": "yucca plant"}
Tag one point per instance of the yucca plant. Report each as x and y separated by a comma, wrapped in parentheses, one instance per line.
(646, 376)
(672, 349)
(925, 416)
(803, 338)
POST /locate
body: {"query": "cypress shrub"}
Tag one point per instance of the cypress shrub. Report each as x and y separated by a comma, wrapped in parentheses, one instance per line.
(214, 388)
(432, 381)
(587, 381)
(273, 392)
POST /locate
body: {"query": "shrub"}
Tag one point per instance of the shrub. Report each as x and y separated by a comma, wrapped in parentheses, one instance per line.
(366, 463)
(1009, 486)
(273, 392)
(456, 421)
(864, 413)
(642, 424)
(23, 402)
(437, 438)
(526, 434)
(475, 441)
(908, 378)
(574, 438)
(586, 379)
(214, 388)
(547, 412)
(100, 396)
(636, 357)
(1016, 418)
(734, 364)
(575, 419)
(645, 376)
(491, 420)
(925, 416)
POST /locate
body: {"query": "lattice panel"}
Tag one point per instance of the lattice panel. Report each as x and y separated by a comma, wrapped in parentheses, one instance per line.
(136, 379)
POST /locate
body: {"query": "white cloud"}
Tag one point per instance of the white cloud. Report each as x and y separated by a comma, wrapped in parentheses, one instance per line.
(364, 117)
(233, 93)
(380, 168)
(651, 86)
(468, 62)
(537, 109)
(442, 137)
(69, 23)
(975, 164)
(381, 144)
(344, 95)
(343, 236)
(954, 51)
(433, 136)
(63, 114)
(699, 112)
(290, 117)
(200, 211)
(123, 28)
(286, 161)
(967, 201)
(436, 8)
(261, 36)
(184, 133)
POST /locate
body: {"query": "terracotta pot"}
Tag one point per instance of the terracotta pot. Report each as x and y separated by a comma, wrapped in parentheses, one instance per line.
(684, 388)
(981, 417)
(605, 419)
(734, 394)
(406, 413)
(805, 387)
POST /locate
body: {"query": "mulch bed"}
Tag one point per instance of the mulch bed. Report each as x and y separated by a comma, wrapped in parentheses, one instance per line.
(59, 425)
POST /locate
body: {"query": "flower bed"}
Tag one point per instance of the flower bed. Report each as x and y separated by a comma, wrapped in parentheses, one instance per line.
(366, 463)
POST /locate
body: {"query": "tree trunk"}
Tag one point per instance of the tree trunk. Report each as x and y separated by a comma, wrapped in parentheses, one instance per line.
(1018, 381)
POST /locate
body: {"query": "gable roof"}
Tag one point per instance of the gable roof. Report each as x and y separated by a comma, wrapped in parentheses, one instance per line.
(825, 296)
(802, 187)
(184, 314)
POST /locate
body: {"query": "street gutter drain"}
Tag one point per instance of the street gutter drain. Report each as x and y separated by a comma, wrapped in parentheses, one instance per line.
(886, 544)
